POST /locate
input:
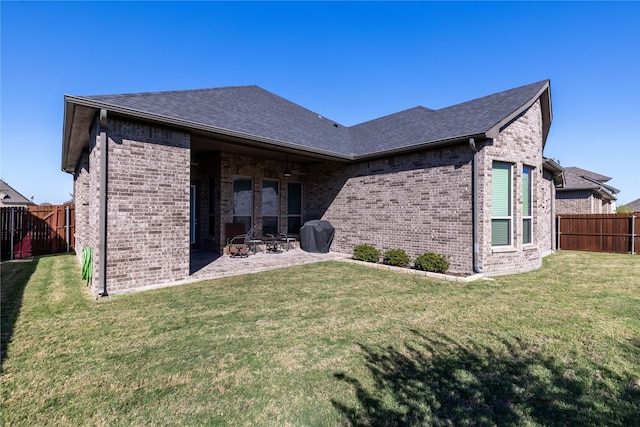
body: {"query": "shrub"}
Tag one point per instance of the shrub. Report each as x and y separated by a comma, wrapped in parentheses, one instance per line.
(366, 253)
(623, 210)
(433, 262)
(397, 257)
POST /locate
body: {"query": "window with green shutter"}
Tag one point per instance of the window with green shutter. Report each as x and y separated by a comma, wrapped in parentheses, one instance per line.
(501, 204)
(527, 205)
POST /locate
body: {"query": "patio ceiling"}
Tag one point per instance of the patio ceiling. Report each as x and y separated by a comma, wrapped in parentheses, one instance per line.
(204, 143)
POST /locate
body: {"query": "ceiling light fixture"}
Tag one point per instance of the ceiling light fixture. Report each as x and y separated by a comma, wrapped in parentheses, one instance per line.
(287, 171)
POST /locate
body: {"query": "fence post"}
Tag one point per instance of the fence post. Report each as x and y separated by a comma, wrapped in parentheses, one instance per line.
(633, 234)
(12, 226)
(67, 225)
(558, 233)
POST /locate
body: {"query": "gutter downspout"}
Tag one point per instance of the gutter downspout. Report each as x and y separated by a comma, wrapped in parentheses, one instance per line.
(102, 244)
(474, 210)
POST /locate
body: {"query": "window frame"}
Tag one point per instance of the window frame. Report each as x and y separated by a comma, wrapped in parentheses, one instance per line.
(291, 216)
(527, 216)
(238, 216)
(277, 207)
(508, 219)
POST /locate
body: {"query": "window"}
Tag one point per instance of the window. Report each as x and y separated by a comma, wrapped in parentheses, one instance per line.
(270, 207)
(212, 206)
(501, 204)
(243, 202)
(527, 203)
(294, 207)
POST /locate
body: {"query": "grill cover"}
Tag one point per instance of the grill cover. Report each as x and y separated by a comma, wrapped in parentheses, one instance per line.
(316, 236)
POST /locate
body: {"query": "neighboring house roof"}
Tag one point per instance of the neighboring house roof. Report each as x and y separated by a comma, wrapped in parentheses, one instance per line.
(634, 205)
(582, 179)
(10, 197)
(254, 114)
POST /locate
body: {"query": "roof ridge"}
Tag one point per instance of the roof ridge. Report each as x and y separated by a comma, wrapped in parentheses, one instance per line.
(165, 92)
(418, 107)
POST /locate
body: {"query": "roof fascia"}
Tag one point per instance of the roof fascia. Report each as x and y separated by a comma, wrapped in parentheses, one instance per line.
(69, 110)
(606, 194)
(556, 170)
(420, 146)
(609, 188)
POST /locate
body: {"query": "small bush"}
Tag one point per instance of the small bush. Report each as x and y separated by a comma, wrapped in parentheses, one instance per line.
(433, 262)
(396, 257)
(623, 210)
(366, 253)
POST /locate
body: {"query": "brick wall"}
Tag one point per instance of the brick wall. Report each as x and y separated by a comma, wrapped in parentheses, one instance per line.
(417, 202)
(520, 144)
(81, 196)
(148, 205)
(574, 202)
(583, 202)
(546, 223)
(92, 235)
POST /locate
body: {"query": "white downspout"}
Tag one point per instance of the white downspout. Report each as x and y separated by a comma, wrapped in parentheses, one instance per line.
(102, 244)
(474, 195)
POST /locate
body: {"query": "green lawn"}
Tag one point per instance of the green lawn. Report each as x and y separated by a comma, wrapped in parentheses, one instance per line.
(326, 344)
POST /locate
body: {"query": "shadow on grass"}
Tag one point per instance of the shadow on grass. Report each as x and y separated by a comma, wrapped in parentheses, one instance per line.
(437, 381)
(15, 276)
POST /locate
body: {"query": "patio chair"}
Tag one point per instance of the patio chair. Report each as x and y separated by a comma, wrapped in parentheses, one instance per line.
(273, 244)
(287, 241)
(239, 245)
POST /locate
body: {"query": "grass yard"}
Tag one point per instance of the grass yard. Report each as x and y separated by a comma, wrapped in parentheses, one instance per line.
(326, 344)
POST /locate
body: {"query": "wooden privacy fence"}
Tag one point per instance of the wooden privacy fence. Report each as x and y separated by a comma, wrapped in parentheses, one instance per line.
(619, 233)
(36, 230)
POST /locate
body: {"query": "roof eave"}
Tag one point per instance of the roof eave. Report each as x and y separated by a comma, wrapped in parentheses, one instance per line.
(426, 145)
(66, 134)
(557, 172)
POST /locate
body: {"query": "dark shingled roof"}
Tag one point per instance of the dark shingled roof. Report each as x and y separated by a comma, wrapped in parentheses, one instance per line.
(11, 197)
(634, 205)
(247, 110)
(578, 178)
(253, 113)
(419, 125)
(582, 179)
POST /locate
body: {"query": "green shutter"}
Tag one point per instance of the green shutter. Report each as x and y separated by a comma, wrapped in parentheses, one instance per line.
(500, 232)
(526, 191)
(501, 190)
(501, 204)
(526, 231)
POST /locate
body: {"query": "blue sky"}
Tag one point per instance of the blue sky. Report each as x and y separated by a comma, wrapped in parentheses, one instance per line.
(350, 62)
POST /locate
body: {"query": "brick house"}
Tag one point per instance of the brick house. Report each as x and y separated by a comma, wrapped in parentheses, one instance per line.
(585, 192)
(9, 197)
(634, 205)
(468, 181)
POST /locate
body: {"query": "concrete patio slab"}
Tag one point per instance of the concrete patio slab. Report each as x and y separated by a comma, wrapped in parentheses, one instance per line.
(206, 265)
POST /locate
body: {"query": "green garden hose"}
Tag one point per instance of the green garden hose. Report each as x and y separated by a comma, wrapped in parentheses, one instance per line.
(87, 266)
